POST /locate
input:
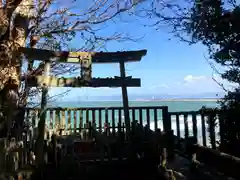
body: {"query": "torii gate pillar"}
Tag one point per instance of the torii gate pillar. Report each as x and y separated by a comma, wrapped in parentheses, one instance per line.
(125, 98)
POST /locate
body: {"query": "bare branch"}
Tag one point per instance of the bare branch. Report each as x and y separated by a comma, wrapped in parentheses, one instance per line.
(216, 71)
(52, 28)
(220, 84)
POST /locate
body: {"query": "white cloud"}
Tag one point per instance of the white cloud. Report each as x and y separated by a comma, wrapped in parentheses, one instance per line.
(163, 86)
(196, 84)
(191, 78)
(158, 86)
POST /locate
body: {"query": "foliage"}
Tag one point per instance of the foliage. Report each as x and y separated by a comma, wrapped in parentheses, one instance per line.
(218, 29)
(215, 24)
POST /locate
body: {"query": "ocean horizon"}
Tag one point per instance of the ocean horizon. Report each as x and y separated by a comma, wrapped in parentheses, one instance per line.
(173, 106)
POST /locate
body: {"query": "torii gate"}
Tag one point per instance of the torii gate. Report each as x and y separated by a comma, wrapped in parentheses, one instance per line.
(85, 59)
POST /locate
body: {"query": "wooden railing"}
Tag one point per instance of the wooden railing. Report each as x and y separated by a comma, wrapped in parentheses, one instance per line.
(204, 127)
(77, 120)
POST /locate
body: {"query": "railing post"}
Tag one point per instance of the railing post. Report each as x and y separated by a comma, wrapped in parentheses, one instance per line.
(203, 130)
(221, 128)
(211, 125)
(166, 119)
(186, 130)
(168, 133)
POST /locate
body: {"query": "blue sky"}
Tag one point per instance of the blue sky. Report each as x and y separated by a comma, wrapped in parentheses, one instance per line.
(170, 66)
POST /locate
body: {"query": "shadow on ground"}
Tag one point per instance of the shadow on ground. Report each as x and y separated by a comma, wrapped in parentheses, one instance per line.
(117, 170)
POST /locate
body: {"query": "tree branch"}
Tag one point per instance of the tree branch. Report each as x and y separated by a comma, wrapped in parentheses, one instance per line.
(11, 6)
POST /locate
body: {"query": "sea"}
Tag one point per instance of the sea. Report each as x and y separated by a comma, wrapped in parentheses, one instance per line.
(173, 106)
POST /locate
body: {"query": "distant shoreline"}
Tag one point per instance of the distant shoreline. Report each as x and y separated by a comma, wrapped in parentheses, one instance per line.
(185, 100)
(150, 100)
(158, 100)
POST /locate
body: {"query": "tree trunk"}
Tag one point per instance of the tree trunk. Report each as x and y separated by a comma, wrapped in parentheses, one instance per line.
(14, 22)
(13, 38)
